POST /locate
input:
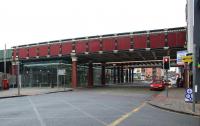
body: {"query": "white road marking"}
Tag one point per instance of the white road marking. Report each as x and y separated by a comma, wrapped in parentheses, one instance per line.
(36, 112)
(85, 113)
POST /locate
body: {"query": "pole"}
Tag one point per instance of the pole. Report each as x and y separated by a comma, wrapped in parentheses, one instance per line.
(5, 75)
(57, 78)
(17, 76)
(194, 76)
(64, 82)
(167, 91)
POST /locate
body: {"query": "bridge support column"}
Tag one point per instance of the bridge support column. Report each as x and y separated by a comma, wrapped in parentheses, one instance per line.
(127, 75)
(13, 68)
(132, 75)
(122, 74)
(114, 75)
(118, 74)
(103, 79)
(74, 72)
(154, 73)
(90, 76)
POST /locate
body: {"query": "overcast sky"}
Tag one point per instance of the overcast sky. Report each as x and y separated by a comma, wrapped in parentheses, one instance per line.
(33, 21)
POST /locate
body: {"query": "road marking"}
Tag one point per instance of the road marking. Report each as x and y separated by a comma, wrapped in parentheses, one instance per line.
(36, 112)
(125, 116)
(113, 108)
(85, 113)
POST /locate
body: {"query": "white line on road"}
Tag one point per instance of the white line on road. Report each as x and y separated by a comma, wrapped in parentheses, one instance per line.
(113, 108)
(36, 112)
(85, 113)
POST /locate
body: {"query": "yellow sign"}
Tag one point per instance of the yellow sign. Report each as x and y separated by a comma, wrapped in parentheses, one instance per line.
(187, 59)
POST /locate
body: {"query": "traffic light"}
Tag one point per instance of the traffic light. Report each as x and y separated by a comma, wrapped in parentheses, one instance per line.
(166, 62)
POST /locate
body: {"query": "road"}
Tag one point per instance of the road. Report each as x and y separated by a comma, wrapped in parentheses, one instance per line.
(90, 107)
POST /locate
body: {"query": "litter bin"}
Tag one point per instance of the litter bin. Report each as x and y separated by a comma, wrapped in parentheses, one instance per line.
(5, 84)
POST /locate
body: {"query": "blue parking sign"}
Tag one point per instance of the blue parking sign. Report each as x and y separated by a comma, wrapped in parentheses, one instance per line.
(188, 95)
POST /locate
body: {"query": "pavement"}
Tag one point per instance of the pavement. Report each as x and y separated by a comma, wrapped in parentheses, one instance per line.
(174, 102)
(13, 92)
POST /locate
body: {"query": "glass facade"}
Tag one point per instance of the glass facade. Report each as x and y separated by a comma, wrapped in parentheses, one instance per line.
(46, 74)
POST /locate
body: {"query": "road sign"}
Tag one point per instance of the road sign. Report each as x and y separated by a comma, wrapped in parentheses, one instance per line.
(187, 59)
(188, 95)
(61, 72)
(180, 54)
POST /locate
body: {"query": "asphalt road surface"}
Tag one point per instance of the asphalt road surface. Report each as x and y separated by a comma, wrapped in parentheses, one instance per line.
(90, 107)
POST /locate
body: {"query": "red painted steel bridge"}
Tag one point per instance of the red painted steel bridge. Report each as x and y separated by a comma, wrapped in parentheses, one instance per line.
(136, 49)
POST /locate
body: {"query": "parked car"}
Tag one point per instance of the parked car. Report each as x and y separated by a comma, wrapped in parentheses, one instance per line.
(157, 85)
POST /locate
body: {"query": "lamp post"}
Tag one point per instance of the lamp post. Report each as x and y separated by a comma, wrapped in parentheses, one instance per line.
(16, 61)
(5, 73)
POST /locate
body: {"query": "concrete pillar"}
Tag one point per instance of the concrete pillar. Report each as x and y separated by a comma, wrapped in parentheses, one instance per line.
(129, 70)
(118, 75)
(126, 75)
(90, 75)
(154, 73)
(30, 77)
(13, 68)
(103, 77)
(114, 75)
(122, 74)
(132, 74)
(74, 72)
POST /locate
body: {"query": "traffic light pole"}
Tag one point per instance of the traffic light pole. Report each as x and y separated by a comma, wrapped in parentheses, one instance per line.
(167, 91)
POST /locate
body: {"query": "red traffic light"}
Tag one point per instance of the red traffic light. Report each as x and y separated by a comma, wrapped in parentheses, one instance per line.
(166, 59)
(166, 62)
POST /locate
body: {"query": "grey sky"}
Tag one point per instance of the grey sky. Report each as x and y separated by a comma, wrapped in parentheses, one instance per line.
(32, 21)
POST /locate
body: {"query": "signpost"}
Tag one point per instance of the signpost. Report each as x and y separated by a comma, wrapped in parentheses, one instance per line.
(188, 95)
